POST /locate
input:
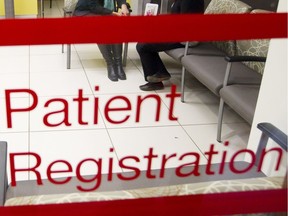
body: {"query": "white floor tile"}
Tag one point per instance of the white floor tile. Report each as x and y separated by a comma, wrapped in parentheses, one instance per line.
(162, 140)
(14, 64)
(74, 147)
(12, 51)
(59, 83)
(14, 120)
(53, 63)
(55, 10)
(99, 77)
(88, 51)
(202, 108)
(46, 49)
(205, 135)
(14, 81)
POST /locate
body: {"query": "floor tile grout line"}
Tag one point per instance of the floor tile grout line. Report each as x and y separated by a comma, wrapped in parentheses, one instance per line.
(186, 131)
(101, 114)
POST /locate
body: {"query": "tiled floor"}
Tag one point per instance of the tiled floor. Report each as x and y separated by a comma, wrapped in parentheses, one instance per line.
(43, 70)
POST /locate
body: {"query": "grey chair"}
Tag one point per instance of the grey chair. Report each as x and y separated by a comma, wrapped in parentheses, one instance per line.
(69, 6)
(3, 173)
(242, 97)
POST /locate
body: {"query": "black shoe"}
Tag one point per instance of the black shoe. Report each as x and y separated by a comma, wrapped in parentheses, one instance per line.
(158, 77)
(112, 75)
(117, 54)
(121, 73)
(152, 86)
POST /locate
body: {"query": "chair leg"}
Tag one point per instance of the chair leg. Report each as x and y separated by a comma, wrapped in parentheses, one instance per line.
(125, 54)
(68, 56)
(183, 84)
(220, 119)
(50, 3)
(68, 45)
(64, 15)
(3, 172)
(42, 8)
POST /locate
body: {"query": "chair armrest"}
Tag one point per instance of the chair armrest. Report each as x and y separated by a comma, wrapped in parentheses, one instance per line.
(3, 173)
(274, 133)
(231, 59)
(245, 58)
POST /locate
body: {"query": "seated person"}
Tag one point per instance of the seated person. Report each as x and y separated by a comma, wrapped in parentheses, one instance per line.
(154, 70)
(112, 53)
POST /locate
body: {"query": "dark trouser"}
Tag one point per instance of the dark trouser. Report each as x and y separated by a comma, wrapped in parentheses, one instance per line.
(150, 59)
(110, 52)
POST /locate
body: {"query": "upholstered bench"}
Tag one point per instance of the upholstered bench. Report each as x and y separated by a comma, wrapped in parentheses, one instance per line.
(266, 183)
(213, 48)
(232, 70)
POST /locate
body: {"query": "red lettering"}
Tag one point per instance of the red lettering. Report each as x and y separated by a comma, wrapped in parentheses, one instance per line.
(80, 101)
(135, 169)
(150, 157)
(50, 172)
(194, 171)
(110, 167)
(96, 105)
(222, 164)
(164, 160)
(65, 112)
(139, 102)
(232, 165)
(96, 178)
(110, 109)
(172, 97)
(10, 110)
(32, 169)
(210, 154)
(263, 154)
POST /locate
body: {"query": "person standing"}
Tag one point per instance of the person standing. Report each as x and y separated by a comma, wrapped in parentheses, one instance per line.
(112, 53)
(154, 70)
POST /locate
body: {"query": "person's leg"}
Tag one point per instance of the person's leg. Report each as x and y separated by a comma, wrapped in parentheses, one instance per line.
(106, 51)
(154, 70)
(117, 53)
(150, 59)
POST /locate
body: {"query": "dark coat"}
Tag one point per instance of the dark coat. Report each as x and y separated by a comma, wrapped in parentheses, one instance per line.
(85, 7)
(187, 6)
